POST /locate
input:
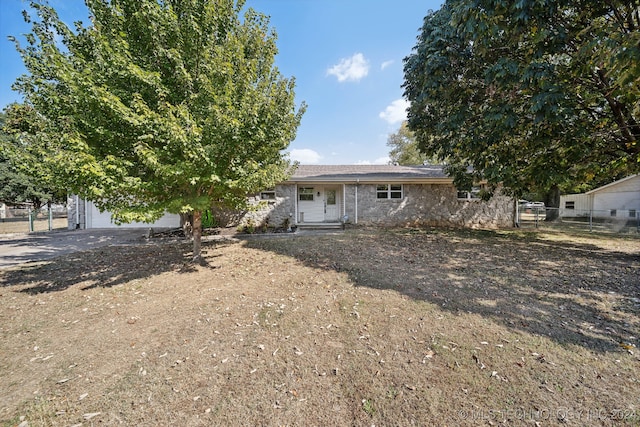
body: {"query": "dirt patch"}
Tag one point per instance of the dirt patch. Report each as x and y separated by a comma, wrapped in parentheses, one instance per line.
(391, 327)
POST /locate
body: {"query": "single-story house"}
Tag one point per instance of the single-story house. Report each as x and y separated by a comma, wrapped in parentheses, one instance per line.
(358, 194)
(619, 199)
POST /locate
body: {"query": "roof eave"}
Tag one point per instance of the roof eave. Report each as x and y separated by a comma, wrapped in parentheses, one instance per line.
(611, 184)
(379, 180)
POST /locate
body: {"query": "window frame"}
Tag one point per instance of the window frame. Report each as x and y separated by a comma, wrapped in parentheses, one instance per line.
(389, 192)
(474, 194)
(305, 192)
(268, 194)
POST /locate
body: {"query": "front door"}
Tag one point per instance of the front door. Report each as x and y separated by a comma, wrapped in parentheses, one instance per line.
(331, 205)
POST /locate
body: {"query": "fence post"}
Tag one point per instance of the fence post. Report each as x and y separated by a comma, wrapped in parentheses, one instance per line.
(30, 215)
(50, 218)
(590, 220)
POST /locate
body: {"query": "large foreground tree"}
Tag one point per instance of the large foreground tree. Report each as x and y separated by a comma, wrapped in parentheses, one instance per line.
(535, 95)
(158, 106)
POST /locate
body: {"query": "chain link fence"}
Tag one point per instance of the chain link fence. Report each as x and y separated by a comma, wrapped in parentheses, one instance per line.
(617, 221)
(25, 219)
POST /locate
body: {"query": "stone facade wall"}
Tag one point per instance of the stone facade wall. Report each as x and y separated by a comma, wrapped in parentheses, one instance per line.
(262, 212)
(422, 205)
(428, 205)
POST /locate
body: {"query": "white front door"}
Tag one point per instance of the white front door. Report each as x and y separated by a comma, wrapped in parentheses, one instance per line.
(331, 204)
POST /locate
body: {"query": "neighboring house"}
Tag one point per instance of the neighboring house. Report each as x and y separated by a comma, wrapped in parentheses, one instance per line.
(357, 194)
(619, 199)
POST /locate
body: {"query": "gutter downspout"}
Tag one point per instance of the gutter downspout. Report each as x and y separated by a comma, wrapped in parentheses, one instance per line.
(77, 211)
(295, 203)
(356, 204)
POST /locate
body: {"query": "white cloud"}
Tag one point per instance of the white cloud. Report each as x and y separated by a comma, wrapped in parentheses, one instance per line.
(395, 112)
(379, 161)
(350, 69)
(385, 64)
(305, 156)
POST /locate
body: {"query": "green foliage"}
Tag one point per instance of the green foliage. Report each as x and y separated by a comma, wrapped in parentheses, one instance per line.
(24, 176)
(172, 105)
(530, 94)
(404, 148)
(208, 220)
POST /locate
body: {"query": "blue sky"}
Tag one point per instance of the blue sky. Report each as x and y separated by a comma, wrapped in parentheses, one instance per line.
(346, 56)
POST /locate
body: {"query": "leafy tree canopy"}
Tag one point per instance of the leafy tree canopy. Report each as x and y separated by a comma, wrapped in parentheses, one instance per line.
(161, 105)
(24, 177)
(530, 94)
(404, 148)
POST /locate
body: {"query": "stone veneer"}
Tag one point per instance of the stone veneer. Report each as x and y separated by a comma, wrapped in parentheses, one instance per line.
(422, 205)
(260, 212)
(428, 205)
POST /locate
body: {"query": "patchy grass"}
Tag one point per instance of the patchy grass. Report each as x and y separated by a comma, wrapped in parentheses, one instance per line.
(391, 327)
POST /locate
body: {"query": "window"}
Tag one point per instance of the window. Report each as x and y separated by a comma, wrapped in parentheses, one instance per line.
(614, 212)
(632, 213)
(569, 204)
(331, 197)
(305, 194)
(389, 191)
(474, 194)
(268, 194)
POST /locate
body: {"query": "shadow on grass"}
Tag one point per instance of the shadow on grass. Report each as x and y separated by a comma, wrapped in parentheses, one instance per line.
(573, 293)
(102, 267)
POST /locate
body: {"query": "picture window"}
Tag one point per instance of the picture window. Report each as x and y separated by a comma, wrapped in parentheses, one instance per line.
(389, 191)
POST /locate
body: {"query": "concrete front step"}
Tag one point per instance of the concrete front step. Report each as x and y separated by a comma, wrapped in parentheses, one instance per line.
(320, 226)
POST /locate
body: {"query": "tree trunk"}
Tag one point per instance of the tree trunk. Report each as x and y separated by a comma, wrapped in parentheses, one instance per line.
(552, 200)
(186, 223)
(197, 234)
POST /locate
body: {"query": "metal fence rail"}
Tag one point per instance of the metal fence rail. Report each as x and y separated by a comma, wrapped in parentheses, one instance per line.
(603, 220)
(24, 219)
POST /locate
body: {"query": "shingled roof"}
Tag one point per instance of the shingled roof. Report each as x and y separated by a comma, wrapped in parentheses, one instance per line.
(369, 173)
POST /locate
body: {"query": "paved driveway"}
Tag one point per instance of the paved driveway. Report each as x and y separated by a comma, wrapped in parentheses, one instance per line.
(20, 248)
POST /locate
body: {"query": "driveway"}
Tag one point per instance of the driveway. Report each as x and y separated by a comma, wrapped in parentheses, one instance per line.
(20, 248)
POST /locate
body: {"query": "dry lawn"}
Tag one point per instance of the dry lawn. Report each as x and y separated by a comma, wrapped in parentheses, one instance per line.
(366, 327)
(12, 226)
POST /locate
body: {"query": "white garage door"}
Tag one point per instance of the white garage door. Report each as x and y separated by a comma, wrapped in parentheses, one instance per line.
(97, 219)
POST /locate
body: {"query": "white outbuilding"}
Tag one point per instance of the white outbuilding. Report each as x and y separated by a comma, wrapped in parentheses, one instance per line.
(617, 200)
